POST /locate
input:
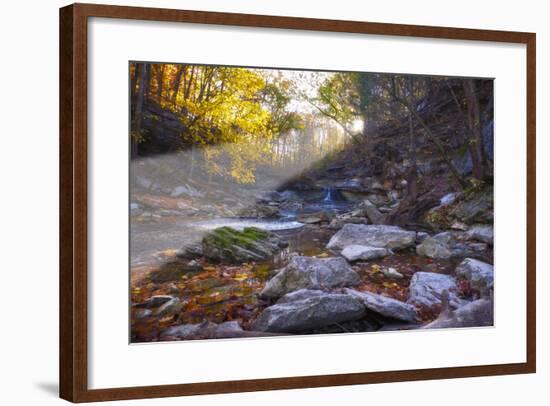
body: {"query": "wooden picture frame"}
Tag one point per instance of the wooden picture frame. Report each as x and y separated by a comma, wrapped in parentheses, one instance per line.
(74, 201)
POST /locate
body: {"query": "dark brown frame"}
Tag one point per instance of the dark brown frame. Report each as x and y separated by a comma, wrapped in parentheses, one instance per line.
(73, 201)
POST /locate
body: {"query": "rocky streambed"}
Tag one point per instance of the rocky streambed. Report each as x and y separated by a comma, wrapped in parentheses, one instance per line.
(334, 275)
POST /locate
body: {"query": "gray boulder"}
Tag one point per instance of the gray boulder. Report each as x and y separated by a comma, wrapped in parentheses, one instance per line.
(159, 305)
(301, 294)
(476, 209)
(228, 245)
(311, 273)
(371, 212)
(185, 190)
(479, 274)
(483, 233)
(364, 253)
(314, 311)
(386, 306)
(259, 210)
(478, 313)
(427, 289)
(448, 199)
(381, 236)
(208, 330)
(421, 236)
(449, 244)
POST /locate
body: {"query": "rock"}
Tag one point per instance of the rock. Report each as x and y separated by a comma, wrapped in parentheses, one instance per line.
(476, 209)
(479, 274)
(378, 199)
(228, 329)
(301, 294)
(228, 245)
(457, 225)
(362, 252)
(260, 211)
(447, 245)
(381, 236)
(482, 233)
(478, 313)
(421, 236)
(386, 306)
(371, 212)
(142, 313)
(143, 182)
(161, 305)
(309, 219)
(427, 289)
(208, 330)
(185, 190)
(392, 273)
(314, 218)
(191, 250)
(448, 199)
(185, 331)
(310, 273)
(193, 266)
(338, 223)
(437, 246)
(352, 185)
(315, 311)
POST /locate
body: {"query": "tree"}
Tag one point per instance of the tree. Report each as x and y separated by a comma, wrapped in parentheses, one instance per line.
(135, 136)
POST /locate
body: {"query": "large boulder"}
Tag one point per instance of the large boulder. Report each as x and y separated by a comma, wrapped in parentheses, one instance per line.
(479, 274)
(260, 210)
(478, 313)
(476, 209)
(386, 306)
(364, 253)
(228, 245)
(311, 273)
(208, 330)
(428, 289)
(449, 244)
(381, 236)
(483, 233)
(314, 218)
(371, 212)
(309, 311)
(159, 305)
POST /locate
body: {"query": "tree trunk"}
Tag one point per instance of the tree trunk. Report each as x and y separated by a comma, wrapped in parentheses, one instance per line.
(133, 85)
(412, 185)
(177, 83)
(475, 142)
(160, 78)
(147, 80)
(138, 114)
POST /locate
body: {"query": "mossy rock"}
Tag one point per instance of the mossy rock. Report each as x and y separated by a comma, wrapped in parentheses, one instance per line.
(227, 245)
(477, 208)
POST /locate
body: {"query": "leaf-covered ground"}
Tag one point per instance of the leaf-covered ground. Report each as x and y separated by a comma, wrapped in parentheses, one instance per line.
(219, 293)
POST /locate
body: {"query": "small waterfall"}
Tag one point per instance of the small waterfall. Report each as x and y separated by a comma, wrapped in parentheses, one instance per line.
(328, 194)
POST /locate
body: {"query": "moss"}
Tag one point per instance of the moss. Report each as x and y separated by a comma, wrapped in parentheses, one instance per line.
(225, 237)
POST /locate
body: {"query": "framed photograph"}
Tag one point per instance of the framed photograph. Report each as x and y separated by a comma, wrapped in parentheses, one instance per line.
(256, 202)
